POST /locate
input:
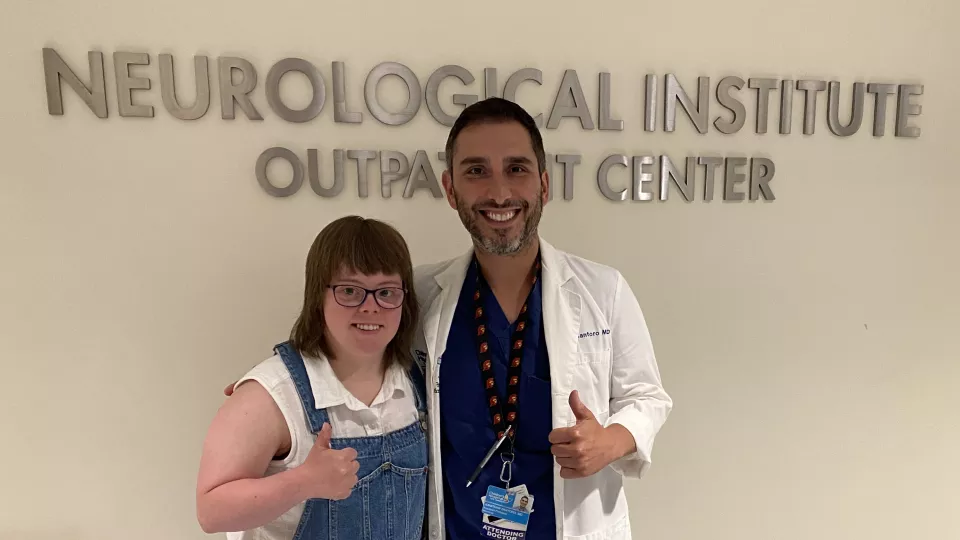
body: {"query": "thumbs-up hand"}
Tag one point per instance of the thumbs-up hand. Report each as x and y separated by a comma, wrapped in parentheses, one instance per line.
(580, 411)
(582, 449)
(328, 473)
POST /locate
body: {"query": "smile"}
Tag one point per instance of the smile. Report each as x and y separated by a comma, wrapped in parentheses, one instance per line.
(368, 327)
(499, 216)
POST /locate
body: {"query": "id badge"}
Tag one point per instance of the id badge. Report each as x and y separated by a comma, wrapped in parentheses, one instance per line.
(506, 512)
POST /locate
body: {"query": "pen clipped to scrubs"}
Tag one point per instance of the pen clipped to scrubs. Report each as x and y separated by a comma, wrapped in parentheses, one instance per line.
(486, 458)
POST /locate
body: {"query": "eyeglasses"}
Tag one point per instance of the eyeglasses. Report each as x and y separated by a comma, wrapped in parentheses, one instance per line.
(353, 296)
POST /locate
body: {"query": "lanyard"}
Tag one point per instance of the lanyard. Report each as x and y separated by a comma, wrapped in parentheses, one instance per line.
(497, 417)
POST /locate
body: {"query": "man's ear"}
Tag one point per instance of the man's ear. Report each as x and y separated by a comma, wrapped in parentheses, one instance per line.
(447, 179)
(545, 187)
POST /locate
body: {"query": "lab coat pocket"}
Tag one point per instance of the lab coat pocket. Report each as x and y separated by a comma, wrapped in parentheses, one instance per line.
(593, 338)
(592, 381)
(593, 357)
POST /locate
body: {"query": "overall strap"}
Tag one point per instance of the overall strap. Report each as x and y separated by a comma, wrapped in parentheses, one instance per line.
(298, 373)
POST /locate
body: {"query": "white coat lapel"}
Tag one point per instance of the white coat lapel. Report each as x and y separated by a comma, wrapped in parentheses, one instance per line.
(439, 316)
(561, 319)
(431, 323)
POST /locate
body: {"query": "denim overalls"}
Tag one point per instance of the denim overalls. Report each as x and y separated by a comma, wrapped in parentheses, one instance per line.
(389, 500)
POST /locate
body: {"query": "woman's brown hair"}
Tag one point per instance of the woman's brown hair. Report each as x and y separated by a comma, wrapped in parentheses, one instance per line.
(365, 246)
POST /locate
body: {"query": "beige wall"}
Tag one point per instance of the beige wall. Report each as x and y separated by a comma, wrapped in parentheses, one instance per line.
(810, 343)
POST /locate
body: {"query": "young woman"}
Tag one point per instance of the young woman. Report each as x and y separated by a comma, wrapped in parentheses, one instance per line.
(326, 438)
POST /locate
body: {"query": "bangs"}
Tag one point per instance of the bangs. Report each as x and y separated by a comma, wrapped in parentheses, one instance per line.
(365, 247)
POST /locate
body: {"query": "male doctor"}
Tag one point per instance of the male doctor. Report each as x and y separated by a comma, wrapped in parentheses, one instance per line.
(518, 334)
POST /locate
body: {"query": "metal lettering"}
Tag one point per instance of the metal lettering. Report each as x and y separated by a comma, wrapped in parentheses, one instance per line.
(56, 71)
(674, 92)
(731, 178)
(683, 181)
(569, 161)
(812, 88)
(604, 184)
(362, 157)
(490, 86)
(710, 166)
(605, 122)
(237, 93)
(570, 102)
(318, 88)
(126, 83)
(313, 174)
(389, 175)
(833, 109)
(513, 82)
(339, 164)
(641, 177)
(905, 109)
(341, 114)
(433, 93)
(882, 92)
(650, 106)
(168, 88)
(732, 104)
(763, 86)
(269, 155)
(422, 176)
(786, 106)
(761, 172)
(414, 94)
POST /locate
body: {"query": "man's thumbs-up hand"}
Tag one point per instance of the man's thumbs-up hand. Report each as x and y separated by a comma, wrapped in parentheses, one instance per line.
(580, 411)
(586, 447)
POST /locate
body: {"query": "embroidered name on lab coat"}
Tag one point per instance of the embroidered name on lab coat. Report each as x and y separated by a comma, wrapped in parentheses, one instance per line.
(594, 333)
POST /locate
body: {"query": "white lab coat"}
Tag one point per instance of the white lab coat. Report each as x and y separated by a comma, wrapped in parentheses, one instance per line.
(598, 344)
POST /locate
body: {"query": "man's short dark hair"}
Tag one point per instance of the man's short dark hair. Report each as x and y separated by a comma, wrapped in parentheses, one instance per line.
(496, 110)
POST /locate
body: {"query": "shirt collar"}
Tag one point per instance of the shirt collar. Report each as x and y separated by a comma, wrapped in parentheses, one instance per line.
(328, 391)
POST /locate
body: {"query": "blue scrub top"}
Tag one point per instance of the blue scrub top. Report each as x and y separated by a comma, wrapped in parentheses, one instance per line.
(465, 430)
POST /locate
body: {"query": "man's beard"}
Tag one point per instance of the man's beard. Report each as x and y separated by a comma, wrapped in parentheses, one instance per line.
(501, 243)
